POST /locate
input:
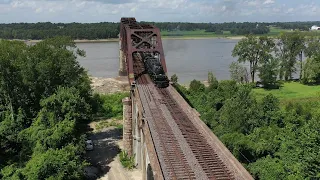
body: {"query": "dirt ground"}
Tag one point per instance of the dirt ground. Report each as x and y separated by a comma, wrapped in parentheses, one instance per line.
(104, 157)
(109, 85)
(108, 141)
(106, 148)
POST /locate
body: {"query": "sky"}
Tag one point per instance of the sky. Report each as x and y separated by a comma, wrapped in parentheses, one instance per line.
(215, 11)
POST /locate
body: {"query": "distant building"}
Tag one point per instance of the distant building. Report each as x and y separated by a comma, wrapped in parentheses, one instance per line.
(313, 28)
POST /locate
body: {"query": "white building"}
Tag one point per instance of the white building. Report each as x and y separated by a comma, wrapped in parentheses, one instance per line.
(315, 28)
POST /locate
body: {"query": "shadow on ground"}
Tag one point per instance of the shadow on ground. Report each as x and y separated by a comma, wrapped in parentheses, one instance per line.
(105, 148)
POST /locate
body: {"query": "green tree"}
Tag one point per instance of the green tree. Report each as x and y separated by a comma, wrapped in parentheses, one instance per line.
(253, 49)
(174, 78)
(12, 90)
(290, 45)
(238, 73)
(238, 114)
(311, 71)
(196, 86)
(10, 126)
(45, 95)
(64, 163)
(268, 72)
(312, 46)
(212, 80)
(268, 168)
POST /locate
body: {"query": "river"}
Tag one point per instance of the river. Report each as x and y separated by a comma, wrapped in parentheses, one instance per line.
(189, 59)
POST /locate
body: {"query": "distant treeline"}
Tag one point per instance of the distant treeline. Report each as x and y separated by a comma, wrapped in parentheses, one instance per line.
(105, 30)
(303, 26)
(49, 30)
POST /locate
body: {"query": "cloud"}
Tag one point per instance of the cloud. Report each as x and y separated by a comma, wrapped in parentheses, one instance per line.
(157, 10)
(113, 1)
(268, 2)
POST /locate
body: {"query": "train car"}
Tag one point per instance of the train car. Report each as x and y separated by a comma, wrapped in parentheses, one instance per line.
(155, 71)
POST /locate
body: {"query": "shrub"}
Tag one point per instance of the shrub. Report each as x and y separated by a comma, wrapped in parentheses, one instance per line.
(126, 161)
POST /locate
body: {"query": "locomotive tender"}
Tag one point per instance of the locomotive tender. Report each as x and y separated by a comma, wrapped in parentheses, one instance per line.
(155, 70)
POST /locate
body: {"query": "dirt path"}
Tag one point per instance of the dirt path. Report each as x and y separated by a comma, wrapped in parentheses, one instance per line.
(104, 157)
(108, 141)
(105, 148)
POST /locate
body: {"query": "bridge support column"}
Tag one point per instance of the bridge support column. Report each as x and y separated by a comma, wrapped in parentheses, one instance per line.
(122, 62)
(127, 125)
(136, 134)
(143, 157)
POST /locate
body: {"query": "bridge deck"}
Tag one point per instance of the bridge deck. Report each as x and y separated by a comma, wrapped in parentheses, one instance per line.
(183, 152)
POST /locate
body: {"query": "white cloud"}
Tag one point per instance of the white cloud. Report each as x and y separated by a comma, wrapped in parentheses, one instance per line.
(156, 10)
(268, 2)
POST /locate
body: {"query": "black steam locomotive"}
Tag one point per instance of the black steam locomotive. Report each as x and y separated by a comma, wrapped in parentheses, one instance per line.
(155, 70)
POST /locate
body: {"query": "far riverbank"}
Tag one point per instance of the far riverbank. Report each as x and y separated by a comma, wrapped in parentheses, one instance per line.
(116, 39)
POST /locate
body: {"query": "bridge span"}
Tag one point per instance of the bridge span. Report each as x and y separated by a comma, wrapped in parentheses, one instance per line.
(163, 133)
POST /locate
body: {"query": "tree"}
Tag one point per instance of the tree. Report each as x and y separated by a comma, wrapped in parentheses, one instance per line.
(174, 78)
(290, 45)
(312, 46)
(196, 86)
(238, 73)
(212, 80)
(62, 163)
(44, 96)
(311, 71)
(268, 72)
(268, 168)
(12, 90)
(252, 49)
(237, 113)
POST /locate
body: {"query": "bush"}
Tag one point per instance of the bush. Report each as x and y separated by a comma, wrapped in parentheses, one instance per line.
(126, 161)
(110, 105)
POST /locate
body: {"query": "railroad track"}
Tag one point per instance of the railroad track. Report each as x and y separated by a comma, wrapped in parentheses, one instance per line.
(207, 158)
(175, 163)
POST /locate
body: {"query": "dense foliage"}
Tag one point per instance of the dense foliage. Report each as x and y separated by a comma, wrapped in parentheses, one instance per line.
(45, 97)
(105, 30)
(273, 142)
(110, 105)
(49, 30)
(278, 59)
(255, 50)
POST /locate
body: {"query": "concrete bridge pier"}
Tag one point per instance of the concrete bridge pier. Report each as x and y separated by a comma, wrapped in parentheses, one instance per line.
(122, 62)
(127, 125)
(137, 151)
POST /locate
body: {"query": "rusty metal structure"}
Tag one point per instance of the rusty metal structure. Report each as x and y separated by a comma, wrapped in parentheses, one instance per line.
(161, 130)
(137, 38)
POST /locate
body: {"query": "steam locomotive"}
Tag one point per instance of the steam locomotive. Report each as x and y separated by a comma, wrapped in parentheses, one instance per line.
(155, 70)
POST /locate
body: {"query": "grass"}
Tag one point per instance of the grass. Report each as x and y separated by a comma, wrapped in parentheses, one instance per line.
(109, 110)
(292, 92)
(274, 31)
(110, 105)
(109, 123)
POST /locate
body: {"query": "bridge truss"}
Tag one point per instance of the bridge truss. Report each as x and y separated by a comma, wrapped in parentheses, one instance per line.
(179, 144)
